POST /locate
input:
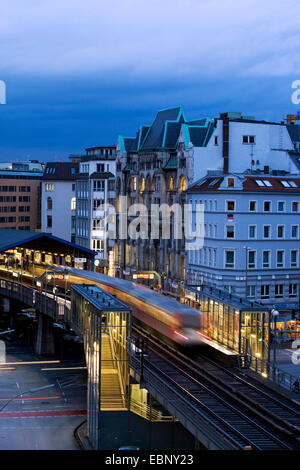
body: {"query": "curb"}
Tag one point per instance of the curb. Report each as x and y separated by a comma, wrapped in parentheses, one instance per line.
(80, 434)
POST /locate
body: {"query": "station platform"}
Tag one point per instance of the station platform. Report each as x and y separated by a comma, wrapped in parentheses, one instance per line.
(228, 357)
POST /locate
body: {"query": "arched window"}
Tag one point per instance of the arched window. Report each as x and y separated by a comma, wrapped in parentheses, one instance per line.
(171, 184)
(182, 184)
(142, 188)
(49, 203)
(73, 204)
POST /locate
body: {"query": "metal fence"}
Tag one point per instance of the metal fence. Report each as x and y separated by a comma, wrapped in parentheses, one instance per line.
(42, 302)
(272, 372)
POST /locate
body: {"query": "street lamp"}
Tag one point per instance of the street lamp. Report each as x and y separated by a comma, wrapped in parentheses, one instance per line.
(275, 314)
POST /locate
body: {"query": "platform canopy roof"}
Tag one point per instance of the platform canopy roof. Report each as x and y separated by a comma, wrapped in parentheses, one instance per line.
(41, 241)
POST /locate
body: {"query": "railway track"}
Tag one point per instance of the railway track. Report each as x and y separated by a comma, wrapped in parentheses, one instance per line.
(250, 414)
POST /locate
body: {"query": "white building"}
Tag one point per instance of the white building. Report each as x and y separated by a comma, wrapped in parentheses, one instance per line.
(95, 189)
(59, 200)
(251, 235)
(237, 143)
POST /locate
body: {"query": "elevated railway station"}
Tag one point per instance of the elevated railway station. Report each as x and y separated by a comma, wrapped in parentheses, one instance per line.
(196, 391)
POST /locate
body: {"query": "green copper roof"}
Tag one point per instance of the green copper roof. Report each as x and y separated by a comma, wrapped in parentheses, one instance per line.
(172, 163)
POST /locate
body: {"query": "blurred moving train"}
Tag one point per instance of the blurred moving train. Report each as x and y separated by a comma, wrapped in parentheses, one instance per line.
(169, 318)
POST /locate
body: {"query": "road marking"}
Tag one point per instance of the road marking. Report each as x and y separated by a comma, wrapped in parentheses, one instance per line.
(34, 414)
(30, 398)
(26, 363)
(64, 368)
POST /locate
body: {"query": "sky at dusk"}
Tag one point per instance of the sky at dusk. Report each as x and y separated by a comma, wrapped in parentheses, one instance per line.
(79, 73)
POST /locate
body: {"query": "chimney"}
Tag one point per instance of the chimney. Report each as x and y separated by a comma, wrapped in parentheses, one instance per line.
(225, 120)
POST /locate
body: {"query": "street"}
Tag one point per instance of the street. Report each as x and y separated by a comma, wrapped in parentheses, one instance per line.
(46, 418)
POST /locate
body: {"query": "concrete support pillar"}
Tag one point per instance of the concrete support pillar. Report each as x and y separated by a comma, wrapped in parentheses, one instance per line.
(45, 336)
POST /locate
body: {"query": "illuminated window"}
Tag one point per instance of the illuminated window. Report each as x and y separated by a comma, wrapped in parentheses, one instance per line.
(182, 185)
(133, 183)
(171, 184)
(73, 204)
(142, 185)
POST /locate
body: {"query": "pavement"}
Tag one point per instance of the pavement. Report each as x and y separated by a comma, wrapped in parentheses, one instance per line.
(45, 419)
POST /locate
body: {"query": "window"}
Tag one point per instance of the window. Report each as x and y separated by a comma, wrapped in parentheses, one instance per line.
(252, 206)
(280, 255)
(249, 139)
(230, 183)
(265, 291)
(133, 184)
(229, 231)
(99, 185)
(252, 231)
(49, 187)
(251, 259)
(266, 259)
(230, 205)
(98, 204)
(267, 206)
(98, 224)
(100, 167)
(98, 245)
(73, 204)
(73, 186)
(250, 292)
(216, 140)
(288, 184)
(280, 206)
(294, 231)
(49, 221)
(267, 231)
(263, 183)
(295, 206)
(49, 203)
(278, 290)
(280, 231)
(293, 290)
(229, 259)
(294, 258)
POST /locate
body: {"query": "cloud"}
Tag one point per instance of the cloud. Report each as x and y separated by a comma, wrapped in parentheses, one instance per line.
(161, 39)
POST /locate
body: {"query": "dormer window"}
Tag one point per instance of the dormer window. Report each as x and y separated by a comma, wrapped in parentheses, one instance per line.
(230, 182)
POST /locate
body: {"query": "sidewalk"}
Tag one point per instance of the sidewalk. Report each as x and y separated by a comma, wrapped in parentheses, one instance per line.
(284, 361)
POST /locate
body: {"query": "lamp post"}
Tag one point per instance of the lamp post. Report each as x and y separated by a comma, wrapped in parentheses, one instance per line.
(275, 314)
(66, 285)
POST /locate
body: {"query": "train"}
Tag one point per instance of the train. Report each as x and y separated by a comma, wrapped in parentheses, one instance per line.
(174, 321)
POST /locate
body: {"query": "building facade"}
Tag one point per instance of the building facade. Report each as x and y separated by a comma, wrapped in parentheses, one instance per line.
(95, 191)
(20, 195)
(156, 167)
(251, 235)
(59, 199)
